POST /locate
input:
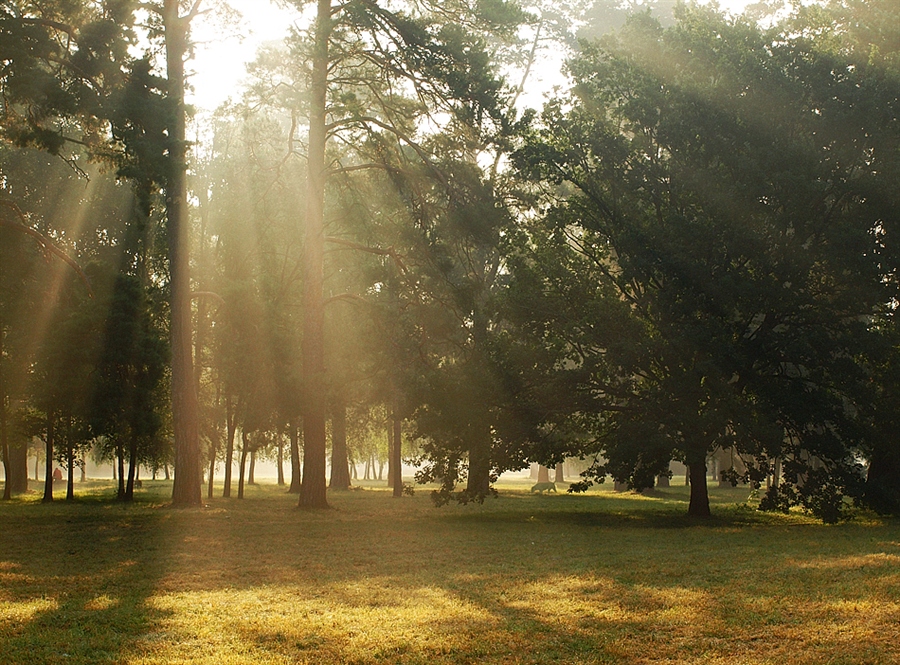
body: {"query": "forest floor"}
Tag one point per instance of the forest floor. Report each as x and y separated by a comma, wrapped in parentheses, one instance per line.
(596, 578)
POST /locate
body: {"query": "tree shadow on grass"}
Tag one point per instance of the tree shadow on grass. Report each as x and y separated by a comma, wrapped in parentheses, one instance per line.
(384, 581)
(76, 579)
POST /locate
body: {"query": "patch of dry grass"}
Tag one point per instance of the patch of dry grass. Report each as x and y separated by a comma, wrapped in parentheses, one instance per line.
(601, 578)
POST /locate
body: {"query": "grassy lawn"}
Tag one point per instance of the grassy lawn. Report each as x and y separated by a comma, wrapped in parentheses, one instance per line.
(600, 578)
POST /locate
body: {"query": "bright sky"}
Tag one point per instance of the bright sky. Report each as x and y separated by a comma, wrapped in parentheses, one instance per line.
(221, 59)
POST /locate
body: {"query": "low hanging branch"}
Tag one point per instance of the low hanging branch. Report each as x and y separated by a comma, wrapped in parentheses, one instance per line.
(46, 245)
(371, 250)
(212, 295)
(345, 296)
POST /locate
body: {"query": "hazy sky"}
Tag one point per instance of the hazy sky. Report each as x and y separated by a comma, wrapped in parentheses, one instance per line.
(220, 60)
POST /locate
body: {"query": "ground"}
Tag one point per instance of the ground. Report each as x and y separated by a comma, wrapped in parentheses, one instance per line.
(600, 578)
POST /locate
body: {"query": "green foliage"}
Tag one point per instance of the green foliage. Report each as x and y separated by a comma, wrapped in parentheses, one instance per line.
(724, 182)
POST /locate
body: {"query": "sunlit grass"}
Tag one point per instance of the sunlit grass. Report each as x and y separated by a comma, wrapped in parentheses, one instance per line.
(602, 578)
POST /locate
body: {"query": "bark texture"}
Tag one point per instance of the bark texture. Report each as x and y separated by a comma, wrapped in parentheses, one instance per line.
(186, 489)
(313, 487)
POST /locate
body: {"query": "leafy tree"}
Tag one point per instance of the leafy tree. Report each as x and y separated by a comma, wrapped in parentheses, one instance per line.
(720, 191)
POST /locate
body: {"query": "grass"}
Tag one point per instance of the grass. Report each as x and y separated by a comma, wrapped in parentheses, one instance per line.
(600, 578)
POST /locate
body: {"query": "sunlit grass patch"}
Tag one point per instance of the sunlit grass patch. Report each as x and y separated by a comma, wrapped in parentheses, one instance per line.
(601, 578)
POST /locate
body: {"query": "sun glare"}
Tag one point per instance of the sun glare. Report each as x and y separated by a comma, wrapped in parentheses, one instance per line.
(221, 57)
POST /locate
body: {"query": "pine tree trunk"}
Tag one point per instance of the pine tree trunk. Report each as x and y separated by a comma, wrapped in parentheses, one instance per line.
(699, 505)
(48, 463)
(397, 459)
(185, 411)
(340, 466)
(295, 460)
(313, 489)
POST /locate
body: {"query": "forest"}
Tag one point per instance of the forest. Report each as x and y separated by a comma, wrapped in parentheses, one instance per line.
(376, 254)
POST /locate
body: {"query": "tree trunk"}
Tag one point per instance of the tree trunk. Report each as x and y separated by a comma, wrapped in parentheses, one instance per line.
(560, 478)
(397, 459)
(662, 480)
(132, 470)
(882, 490)
(478, 483)
(18, 468)
(295, 460)
(4, 442)
(4, 414)
(251, 474)
(280, 460)
(231, 428)
(390, 455)
(70, 465)
(83, 467)
(244, 445)
(48, 463)
(120, 460)
(212, 476)
(340, 466)
(185, 411)
(543, 474)
(699, 505)
(313, 489)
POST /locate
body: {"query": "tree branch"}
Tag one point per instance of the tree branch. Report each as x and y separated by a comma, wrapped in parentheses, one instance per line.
(371, 250)
(208, 294)
(43, 241)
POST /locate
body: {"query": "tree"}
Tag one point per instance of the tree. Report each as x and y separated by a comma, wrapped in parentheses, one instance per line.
(721, 197)
(185, 409)
(126, 408)
(371, 49)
